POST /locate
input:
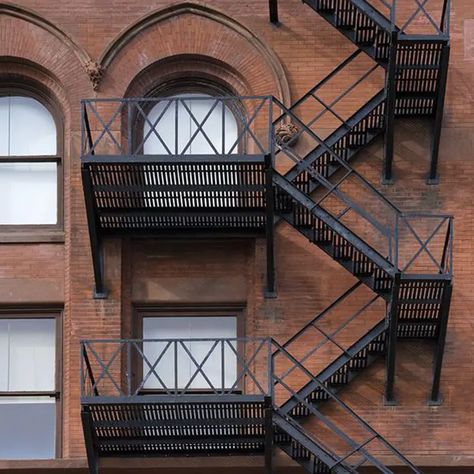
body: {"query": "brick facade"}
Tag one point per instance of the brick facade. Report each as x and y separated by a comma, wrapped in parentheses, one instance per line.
(145, 44)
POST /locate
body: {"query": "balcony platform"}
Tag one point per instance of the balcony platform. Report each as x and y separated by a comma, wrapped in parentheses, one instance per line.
(152, 183)
(200, 425)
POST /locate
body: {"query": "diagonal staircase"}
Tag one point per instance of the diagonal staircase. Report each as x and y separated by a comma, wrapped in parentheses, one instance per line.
(338, 210)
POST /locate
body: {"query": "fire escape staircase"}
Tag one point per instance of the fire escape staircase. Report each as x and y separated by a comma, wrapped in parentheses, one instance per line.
(417, 302)
(403, 260)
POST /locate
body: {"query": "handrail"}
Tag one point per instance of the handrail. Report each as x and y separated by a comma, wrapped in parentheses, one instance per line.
(271, 349)
(341, 404)
(419, 6)
(396, 217)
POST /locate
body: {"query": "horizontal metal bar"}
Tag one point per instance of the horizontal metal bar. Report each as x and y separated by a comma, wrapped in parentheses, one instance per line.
(128, 341)
(178, 399)
(173, 159)
(31, 159)
(174, 99)
(194, 422)
(179, 188)
(44, 393)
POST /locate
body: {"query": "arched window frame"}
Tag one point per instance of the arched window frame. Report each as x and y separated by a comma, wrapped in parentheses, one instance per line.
(38, 232)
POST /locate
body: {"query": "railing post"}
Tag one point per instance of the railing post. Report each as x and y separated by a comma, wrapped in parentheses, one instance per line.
(439, 112)
(270, 291)
(268, 407)
(273, 8)
(390, 103)
(96, 243)
(392, 342)
(436, 398)
(90, 441)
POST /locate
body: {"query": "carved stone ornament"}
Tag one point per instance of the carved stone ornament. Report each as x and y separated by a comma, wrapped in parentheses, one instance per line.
(95, 72)
(286, 133)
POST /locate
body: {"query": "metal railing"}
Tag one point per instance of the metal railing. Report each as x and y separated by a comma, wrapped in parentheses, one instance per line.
(130, 367)
(352, 200)
(348, 87)
(433, 15)
(260, 367)
(350, 439)
(332, 332)
(218, 126)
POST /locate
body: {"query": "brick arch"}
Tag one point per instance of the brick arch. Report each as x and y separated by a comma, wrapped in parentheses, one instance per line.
(198, 31)
(46, 51)
(165, 74)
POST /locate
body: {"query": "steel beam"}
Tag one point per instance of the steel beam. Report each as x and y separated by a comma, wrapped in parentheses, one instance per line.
(436, 398)
(91, 448)
(96, 242)
(391, 89)
(392, 342)
(273, 9)
(439, 111)
(270, 290)
(268, 435)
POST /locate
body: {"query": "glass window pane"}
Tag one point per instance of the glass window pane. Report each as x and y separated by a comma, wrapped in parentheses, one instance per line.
(28, 193)
(190, 328)
(4, 125)
(32, 354)
(32, 128)
(3, 355)
(165, 328)
(187, 127)
(213, 327)
(27, 428)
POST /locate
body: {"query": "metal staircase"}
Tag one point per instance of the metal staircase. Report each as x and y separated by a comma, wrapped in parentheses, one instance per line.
(416, 65)
(283, 394)
(339, 211)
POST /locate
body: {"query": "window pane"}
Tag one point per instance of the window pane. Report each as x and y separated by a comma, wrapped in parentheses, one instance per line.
(32, 128)
(187, 127)
(190, 328)
(32, 354)
(3, 355)
(4, 125)
(27, 428)
(28, 193)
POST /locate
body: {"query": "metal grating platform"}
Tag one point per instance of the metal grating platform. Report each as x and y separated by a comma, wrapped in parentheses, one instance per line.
(199, 427)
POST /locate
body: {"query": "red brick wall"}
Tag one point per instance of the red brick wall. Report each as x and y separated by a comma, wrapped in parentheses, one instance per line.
(52, 44)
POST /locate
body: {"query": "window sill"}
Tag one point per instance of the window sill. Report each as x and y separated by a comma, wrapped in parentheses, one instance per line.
(32, 237)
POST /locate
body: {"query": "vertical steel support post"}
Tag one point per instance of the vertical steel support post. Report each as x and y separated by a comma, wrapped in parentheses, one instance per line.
(392, 342)
(439, 112)
(436, 398)
(91, 448)
(268, 435)
(96, 244)
(270, 291)
(391, 91)
(273, 8)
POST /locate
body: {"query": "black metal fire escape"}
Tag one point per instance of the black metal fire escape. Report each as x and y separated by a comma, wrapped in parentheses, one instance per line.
(402, 261)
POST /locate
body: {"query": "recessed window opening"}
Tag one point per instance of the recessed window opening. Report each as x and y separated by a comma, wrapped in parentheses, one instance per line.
(177, 369)
(29, 163)
(28, 393)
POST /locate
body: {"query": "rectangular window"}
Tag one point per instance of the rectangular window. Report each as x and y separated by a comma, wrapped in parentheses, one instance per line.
(176, 368)
(28, 391)
(28, 193)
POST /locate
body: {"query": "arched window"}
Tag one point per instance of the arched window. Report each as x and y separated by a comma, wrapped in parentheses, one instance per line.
(29, 163)
(178, 124)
